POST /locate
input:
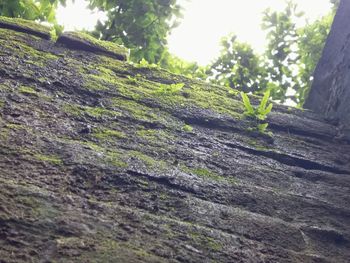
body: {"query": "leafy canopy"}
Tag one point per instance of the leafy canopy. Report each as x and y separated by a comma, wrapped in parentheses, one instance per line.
(286, 66)
(141, 25)
(238, 66)
(43, 10)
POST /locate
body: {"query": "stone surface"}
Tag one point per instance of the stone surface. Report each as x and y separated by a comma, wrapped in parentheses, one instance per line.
(81, 41)
(25, 26)
(97, 165)
(330, 92)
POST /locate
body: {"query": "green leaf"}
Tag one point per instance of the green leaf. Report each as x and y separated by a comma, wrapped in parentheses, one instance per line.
(267, 110)
(264, 101)
(262, 127)
(248, 106)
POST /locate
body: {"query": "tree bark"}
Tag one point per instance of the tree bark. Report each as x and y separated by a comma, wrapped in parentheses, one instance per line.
(330, 91)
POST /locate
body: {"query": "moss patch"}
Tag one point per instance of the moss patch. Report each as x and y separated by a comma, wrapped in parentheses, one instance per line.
(17, 43)
(99, 44)
(187, 128)
(105, 134)
(148, 161)
(206, 242)
(28, 90)
(25, 25)
(49, 158)
(111, 157)
(207, 174)
(97, 112)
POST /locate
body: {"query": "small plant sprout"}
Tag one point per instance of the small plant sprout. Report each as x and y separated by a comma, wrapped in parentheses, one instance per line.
(187, 128)
(170, 89)
(258, 113)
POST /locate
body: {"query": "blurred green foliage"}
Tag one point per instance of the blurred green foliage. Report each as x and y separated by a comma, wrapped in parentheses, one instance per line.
(42, 10)
(141, 25)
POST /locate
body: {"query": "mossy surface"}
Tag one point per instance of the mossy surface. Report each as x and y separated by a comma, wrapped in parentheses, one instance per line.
(208, 174)
(25, 24)
(48, 158)
(106, 161)
(103, 45)
(105, 134)
(28, 90)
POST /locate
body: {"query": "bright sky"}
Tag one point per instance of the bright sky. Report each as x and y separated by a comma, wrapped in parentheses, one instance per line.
(205, 23)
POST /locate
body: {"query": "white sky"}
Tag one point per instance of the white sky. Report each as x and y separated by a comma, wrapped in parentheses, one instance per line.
(205, 23)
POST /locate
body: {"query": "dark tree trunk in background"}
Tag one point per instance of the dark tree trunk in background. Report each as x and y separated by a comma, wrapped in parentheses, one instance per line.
(330, 91)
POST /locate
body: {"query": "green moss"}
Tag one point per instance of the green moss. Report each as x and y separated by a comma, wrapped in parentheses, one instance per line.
(93, 146)
(73, 109)
(218, 99)
(111, 157)
(147, 134)
(207, 174)
(28, 90)
(2, 103)
(4, 87)
(26, 24)
(138, 111)
(257, 145)
(104, 45)
(148, 161)
(4, 134)
(36, 207)
(156, 135)
(187, 128)
(97, 112)
(13, 43)
(171, 89)
(107, 133)
(206, 97)
(100, 112)
(102, 79)
(115, 159)
(206, 241)
(109, 250)
(14, 126)
(49, 158)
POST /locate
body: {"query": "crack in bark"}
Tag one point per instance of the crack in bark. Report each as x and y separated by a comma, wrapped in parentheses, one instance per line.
(289, 160)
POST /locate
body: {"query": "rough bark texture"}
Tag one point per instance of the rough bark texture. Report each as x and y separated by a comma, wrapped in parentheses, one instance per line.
(330, 91)
(102, 161)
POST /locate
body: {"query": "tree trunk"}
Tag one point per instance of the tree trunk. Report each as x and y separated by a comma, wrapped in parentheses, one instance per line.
(330, 91)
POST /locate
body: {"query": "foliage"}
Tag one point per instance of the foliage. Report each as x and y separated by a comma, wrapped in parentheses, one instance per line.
(238, 67)
(145, 64)
(170, 89)
(312, 38)
(179, 66)
(287, 65)
(281, 53)
(258, 113)
(141, 25)
(187, 128)
(43, 10)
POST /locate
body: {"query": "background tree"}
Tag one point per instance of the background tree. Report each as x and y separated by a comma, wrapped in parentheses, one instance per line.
(238, 66)
(141, 25)
(287, 65)
(42, 10)
(281, 54)
(179, 66)
(311, 40)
